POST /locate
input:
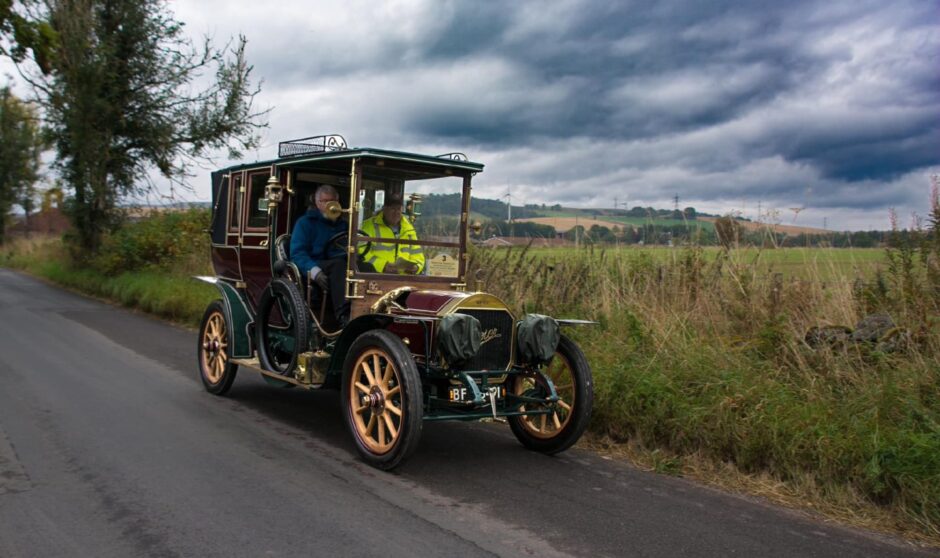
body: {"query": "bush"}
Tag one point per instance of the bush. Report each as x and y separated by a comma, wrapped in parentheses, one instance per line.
(157, 242)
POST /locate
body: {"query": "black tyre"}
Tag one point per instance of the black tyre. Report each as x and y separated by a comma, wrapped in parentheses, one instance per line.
(212, 350)
(382, 399)
(282, 327)
(559, 430)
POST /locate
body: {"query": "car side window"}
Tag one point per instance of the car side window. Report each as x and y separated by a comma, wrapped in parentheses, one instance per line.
(257, 218)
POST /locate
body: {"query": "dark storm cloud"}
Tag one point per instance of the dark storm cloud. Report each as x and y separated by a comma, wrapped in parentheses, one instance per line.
(640, 72)
(811, 103)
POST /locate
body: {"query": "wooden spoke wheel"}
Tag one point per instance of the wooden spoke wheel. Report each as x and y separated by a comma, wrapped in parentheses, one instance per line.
(566, 420)
(215, 368)
(382, 398)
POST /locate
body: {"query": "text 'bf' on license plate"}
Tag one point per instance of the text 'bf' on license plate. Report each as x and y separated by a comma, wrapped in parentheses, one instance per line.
(462, 393)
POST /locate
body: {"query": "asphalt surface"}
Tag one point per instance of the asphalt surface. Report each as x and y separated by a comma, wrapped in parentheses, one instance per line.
(110, 447)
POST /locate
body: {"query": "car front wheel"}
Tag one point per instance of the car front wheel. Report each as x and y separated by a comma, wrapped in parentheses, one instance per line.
(382, 399)
(562, 424)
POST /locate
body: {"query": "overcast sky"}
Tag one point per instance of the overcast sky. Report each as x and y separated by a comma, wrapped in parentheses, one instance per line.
(832, 106)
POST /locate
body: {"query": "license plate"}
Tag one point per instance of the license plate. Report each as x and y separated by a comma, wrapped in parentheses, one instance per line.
(460, 394)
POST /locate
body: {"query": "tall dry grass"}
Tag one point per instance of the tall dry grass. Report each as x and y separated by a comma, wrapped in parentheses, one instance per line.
(706, 356)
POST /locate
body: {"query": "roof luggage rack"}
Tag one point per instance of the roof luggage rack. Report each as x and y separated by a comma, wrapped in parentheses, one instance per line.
(313, 144)
(456, 156)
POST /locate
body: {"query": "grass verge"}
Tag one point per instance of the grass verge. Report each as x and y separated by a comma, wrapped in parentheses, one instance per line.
(169, 294)
(700, 359)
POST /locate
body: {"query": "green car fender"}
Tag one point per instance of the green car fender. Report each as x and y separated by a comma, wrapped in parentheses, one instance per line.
(237, 314)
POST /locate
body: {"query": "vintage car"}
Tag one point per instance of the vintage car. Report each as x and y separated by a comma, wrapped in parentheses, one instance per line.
(421, 344)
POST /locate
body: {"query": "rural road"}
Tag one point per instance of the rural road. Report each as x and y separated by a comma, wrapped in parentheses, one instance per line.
(110, 447)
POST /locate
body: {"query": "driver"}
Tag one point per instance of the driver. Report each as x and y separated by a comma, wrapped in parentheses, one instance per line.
(391, 258)
(316, 258)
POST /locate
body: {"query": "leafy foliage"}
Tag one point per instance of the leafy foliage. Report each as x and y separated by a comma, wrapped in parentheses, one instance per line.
(25, 35)
(157, 242)
(119, 101)
(20, 146)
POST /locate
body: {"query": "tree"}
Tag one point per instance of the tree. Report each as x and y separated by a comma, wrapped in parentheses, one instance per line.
(25, 35)
(600, 233)
(119, 100)
(20, 146)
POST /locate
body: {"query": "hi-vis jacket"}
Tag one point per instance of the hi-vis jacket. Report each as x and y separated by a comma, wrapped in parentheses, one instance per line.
(380, 254)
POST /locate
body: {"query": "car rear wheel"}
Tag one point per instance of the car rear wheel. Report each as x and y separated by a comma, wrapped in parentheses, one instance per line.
(382, 399)
(215, 367)
(566, 421)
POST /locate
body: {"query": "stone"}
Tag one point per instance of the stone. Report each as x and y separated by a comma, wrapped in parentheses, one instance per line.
(872, 328)
(895, 340)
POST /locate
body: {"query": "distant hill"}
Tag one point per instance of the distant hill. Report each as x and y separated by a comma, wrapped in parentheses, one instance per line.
(441, 205)
(435, 205)
(786, 229)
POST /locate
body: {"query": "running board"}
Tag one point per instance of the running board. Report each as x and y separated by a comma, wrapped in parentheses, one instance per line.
(254, 365)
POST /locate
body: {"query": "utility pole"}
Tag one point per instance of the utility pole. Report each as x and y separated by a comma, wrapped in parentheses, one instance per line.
(508, 197)
(577, 233)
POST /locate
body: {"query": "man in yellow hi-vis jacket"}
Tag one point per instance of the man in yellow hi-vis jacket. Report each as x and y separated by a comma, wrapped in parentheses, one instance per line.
(391, 258)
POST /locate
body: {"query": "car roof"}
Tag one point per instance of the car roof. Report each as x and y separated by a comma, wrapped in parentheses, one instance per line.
(454, 161)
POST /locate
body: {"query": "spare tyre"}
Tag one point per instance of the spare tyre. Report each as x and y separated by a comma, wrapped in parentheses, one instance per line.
(281, 326)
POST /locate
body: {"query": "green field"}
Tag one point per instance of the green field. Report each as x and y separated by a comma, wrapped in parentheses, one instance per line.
(587, 218)
(824, 263)
(640, 221)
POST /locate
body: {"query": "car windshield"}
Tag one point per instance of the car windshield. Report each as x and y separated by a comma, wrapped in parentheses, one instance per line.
(409, 222)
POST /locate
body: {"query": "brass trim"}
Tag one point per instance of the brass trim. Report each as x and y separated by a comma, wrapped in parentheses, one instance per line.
(333, 210)
(289, 187)
(352, 288)
(382, 305)
(490, 303)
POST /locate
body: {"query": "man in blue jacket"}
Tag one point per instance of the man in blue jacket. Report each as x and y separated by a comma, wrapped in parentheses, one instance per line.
(322, 263)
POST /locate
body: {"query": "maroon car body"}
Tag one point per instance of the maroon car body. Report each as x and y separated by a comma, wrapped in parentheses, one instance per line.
(416, 347)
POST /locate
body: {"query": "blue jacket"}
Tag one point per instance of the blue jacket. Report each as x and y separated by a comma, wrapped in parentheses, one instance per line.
(308, 241)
